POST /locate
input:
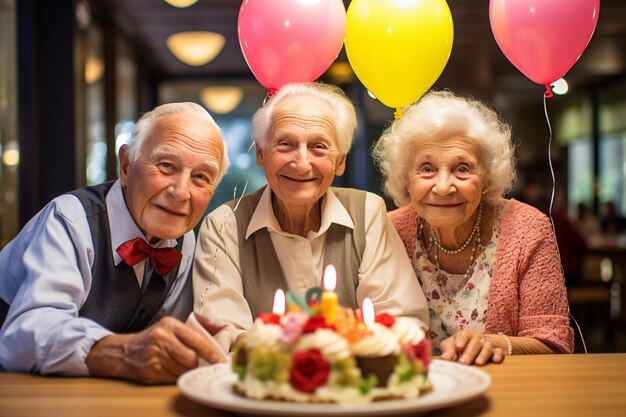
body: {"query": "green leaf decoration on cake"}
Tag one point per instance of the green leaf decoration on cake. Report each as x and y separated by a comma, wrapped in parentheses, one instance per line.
(266, 364)
(404, 368)
(346, 372)
(239, 361)
(283, 364)
(240, 371)
(261, 364)
(365, 385)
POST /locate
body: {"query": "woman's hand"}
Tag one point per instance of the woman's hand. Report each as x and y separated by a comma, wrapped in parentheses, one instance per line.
(471, 347)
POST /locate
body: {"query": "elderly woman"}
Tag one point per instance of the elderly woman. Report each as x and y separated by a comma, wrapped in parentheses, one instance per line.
(283, 235)
(489, 266)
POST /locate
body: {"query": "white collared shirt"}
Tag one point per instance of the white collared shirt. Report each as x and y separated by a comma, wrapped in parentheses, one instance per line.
(46, 277)
(126, 229)
(385, 274)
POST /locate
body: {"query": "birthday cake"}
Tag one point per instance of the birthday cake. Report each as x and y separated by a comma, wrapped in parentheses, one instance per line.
(311, 355)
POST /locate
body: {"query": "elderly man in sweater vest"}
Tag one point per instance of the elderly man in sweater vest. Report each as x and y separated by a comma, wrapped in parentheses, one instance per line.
(96, 282)
(283, 235)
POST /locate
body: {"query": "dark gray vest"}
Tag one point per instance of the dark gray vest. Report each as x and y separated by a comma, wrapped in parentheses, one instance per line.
(115, 300)
(261, 273)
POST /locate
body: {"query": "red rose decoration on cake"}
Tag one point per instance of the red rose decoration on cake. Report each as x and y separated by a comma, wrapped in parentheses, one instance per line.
(385, 319)
(422, 352)
(309, 370)
(269, 318)
(316, 322)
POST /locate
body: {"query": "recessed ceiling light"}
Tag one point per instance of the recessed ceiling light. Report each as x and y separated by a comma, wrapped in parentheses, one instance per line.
(221, 99)
(181, 4)
(195, 48)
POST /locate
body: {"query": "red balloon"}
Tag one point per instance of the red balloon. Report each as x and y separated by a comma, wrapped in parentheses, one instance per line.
(287, 41)
(545, 38)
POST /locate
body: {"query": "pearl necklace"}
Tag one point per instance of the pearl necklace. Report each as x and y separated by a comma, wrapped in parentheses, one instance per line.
(474, 236)
(475, 231)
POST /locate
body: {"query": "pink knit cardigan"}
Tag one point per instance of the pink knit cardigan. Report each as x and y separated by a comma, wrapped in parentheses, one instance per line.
(527, 295)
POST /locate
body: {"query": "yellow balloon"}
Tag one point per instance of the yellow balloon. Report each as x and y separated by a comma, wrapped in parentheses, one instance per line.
(398, 48)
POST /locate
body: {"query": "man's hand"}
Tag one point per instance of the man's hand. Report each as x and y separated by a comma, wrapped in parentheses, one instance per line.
(157, 355)
(471, 347)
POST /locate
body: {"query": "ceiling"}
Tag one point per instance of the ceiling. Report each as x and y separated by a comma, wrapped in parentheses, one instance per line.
(476, 65)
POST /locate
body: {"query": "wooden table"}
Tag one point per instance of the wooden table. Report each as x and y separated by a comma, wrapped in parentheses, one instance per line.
(543, 385)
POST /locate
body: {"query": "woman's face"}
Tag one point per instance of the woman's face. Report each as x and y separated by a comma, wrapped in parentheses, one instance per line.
(301, 157)
(446, 181)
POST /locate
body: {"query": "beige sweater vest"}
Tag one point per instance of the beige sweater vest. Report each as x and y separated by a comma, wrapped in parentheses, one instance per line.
(261, 273)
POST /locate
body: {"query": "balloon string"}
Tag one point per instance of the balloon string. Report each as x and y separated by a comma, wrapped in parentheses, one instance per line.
(548, 94)
(245, 187)
(398, 113)
(269, 95)
(545, 111)
(223, 226)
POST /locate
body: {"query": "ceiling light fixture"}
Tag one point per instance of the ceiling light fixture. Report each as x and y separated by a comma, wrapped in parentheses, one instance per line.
(181, 4)
(94, 68)
(341, 73)
(221, 99)
(195, 48)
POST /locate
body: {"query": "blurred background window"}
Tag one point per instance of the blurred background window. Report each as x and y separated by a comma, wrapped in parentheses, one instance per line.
(9, 145)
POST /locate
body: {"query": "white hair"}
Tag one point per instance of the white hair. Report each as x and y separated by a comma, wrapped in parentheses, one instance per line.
(441, 115)
(344, 120)
(145, 125)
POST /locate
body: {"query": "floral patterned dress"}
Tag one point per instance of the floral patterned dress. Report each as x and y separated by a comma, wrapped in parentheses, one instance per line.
(455, 303)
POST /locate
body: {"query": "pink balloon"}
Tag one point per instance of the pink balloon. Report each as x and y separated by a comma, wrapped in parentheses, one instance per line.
(287, 41)
(543, 38)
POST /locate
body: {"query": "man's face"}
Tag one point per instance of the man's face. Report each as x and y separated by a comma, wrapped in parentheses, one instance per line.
(170, 184)
(301, 157)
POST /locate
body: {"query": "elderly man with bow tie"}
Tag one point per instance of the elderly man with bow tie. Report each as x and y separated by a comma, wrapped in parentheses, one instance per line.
(97, 282)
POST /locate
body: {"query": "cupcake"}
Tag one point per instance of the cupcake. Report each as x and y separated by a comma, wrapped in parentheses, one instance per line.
(377, 353)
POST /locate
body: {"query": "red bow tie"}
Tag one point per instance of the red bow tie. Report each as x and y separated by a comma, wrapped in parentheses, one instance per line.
(136, 250)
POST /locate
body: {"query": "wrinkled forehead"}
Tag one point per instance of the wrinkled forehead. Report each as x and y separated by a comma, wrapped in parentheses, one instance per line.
(303, 112)
(199, 136)
(448, 144)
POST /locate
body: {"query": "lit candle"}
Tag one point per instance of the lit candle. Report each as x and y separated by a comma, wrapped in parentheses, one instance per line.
(367, 311)
(278, 307)
(329, 304)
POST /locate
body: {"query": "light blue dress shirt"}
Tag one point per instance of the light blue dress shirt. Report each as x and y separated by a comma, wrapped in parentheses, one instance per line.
(46, 276)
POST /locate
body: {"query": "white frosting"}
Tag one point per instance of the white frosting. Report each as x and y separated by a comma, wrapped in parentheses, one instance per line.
(408, 331)
(381, 342)
(263, 335)
(409, 389)
(333, 393)
(331, 344)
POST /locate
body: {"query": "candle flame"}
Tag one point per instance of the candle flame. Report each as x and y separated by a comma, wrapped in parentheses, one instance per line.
(279, 302)
(367, 310)
(330, 278)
